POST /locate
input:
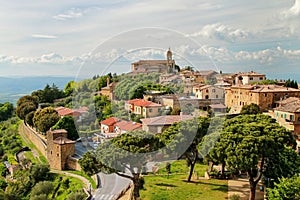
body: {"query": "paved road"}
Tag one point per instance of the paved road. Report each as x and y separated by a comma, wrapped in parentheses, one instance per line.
(110, 186)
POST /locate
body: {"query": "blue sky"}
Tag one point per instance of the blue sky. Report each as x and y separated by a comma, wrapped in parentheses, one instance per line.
(70, 38)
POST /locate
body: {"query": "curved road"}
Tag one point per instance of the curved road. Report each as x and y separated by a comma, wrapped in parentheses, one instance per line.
(110, 186)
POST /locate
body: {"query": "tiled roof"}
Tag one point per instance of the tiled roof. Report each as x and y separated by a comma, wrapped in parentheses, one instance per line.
(249, 74)
(62, 111)
(128, 125)
(288, 100)
(152, 62)
(265, 88)
(63, 140)
(165, 120)
(143, 103)
(110, 121)
(291, 105)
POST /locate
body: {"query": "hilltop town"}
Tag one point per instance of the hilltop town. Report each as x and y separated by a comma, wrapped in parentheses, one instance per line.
(160, 99)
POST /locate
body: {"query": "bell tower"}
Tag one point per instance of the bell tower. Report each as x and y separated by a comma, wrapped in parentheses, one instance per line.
(170, 61)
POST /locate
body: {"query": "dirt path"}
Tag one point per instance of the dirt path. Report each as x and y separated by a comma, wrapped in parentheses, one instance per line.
(241, 187)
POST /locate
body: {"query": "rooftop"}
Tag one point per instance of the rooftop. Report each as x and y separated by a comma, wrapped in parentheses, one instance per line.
(110, 121)
(166, 120)
(265, 88)
(128, 125)
(143, 103)
(63, 140)
(291, 105)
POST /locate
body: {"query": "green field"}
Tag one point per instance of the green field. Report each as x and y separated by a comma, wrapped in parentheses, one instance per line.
(175, 186)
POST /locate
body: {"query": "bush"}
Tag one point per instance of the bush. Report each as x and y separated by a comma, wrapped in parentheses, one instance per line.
(235, 197)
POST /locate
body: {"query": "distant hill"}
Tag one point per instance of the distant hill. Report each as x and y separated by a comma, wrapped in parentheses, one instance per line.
(11, 89)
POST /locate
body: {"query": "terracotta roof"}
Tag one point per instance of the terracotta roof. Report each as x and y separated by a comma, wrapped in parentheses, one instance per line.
(62, 111)
(265, 88)
(291, 105)
(288, 100)
(128, 125)
(207, 72)
(143, 103)
(252, 73)
(165, 120)
(63, 140)
(110, 121)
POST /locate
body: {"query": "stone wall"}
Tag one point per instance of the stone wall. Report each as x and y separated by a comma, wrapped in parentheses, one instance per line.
(34, 138)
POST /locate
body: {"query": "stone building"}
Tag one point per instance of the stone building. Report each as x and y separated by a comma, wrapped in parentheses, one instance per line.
(59, 149)
(265, 96)
(159, 66)
(246, 78)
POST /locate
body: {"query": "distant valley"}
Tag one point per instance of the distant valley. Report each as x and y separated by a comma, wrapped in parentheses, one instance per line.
(13, 88)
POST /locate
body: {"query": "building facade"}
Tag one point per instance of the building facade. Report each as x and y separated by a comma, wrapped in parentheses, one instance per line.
(265, 96)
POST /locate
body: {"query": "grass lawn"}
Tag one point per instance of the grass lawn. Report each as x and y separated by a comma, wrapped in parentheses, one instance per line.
(93, 183)
(162, 187)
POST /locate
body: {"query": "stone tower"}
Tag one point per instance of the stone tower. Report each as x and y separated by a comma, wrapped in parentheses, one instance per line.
(59, 149)
(170, 61)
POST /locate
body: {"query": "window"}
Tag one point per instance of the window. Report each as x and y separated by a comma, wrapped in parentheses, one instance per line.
(276, 114)
(266, 95)
(292, 118)
(214, 90)
(57, 155)
(150, 110)
(251, 78)
(261, 78)
(217, 96)
(298, 119)
(159, 109)
(206, 91)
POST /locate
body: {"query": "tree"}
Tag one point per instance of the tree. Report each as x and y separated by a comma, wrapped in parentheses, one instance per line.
(250, 109)
(286, 189)
(38, 172)
(45, 118)
(6, 111)
(77, 196)
(42, 188)
(127, 154)
(68, 124)
(188, 135)
(69, 88)
(25, 105)
(284, 164)
(89, 164)
(249, 141)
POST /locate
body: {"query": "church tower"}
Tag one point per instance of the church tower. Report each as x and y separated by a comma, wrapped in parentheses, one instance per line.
(170, 61)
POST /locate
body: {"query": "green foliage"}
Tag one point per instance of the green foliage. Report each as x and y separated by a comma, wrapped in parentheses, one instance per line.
(286, 189)
(285, 163)
(249, 139)
(89, 164)
(235, 197)
(133, 86)
(187, 134)
(127, 151)
(3, 183)
(39, 172)
(250, 109)
(25, 105)
(6, 111)
(266, 82)
(291, 83)
(43, 187)
(45, 118)
(68, 124)
(77, 196)
(69, 88)
(48, 94)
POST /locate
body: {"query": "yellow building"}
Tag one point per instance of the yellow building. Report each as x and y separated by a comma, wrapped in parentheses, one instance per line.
(264, 96)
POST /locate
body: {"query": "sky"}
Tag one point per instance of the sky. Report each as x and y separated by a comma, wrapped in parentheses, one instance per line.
(83, 38)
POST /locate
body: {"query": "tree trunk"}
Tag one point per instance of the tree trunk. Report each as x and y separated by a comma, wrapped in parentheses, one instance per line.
(252, 190)
(223, 169)
(191, 170)
(136, 186)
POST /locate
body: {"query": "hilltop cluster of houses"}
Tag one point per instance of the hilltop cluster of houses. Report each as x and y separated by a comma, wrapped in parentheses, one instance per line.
(203, 90)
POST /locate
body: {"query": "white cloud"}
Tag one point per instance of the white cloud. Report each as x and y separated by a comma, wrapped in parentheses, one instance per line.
(221, 32)
(73, 13)
(294, 11)
(42, 36)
